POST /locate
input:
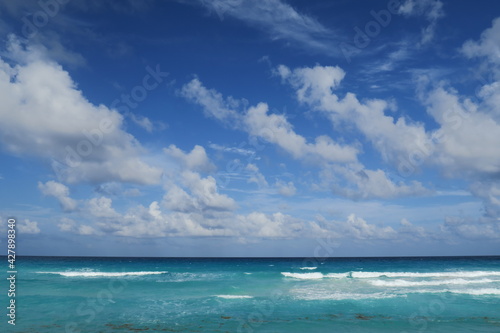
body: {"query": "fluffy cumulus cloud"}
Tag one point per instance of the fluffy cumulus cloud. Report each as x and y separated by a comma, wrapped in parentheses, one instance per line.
(466, 142)
(257, 121)
(196, 160)
(410, 231)
(471, 131)
(255, 176)
(26, 226)
(489, 192)
(315, 86)
(488, 45)
(275, 225)
(276, 129)
(203, 196)
(157, 220)
(60, 192)
(70, 225)
(360, 229)
(214, 104)
(356, 182)
(463, 145)
(471, 228)
(285, 188)
(101, 208)
(45, 115)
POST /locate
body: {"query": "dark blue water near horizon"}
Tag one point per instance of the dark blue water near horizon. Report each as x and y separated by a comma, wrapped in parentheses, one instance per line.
(122, 294)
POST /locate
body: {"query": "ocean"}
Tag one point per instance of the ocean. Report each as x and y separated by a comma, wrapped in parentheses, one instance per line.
(86, 294)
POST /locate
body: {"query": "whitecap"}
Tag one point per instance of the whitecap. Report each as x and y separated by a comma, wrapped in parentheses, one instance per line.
(103, 274)
(233, 296)
(406, 283)
(307, 276)
(458, 274)
(338, 296)
(474, 292)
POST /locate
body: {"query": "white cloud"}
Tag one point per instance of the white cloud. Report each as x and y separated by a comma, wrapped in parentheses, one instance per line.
(357, 228)
(276, 225)
(236, 150)
(412, 231)
(312, 84)
(277, 18)
(196, 160)
(60, 192)
(472, 229)
(28, 227)
(369, 184)
(153, 222)
(286, 189)
(70, 225)
(142, 121)
(360, 229)
(432, 10)
(488, 46)
(467, 144)
(214, 104)
(101, 207)
(66, 224)
(256, 176)
(392, 138)
(132, 192)
(489, 192)
(258, 122)
(276, 129)
(44, 115)
(203, 196)
(314, 87)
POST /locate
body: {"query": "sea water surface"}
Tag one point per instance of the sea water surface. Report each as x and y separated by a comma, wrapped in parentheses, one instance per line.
(430, 294)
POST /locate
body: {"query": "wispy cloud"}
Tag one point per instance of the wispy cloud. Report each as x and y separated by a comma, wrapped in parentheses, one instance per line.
(234, 150)
(277, 18)
(431, 10)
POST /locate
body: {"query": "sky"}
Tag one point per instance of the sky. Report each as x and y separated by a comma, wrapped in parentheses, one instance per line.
(250, 128)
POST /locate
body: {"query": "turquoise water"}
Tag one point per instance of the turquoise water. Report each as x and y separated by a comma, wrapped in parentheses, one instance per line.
(63, 294)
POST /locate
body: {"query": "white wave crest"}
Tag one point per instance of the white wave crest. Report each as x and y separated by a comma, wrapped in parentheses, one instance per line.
(314, 296)
(304, 276)
(337, 275)
(103, 274)
(309, 268)
(233, 296)
(406, 283)
(474, 292)
(462, 274)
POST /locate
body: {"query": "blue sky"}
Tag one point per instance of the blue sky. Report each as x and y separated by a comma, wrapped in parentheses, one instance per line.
(245, 128)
